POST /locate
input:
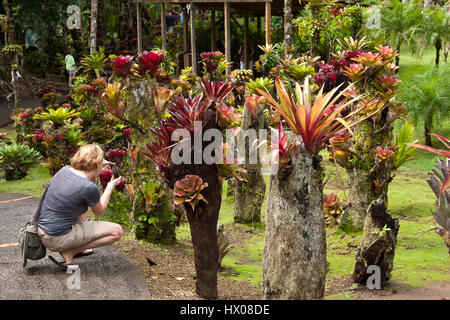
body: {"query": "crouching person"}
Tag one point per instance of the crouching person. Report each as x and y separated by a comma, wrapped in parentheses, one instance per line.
(71, 191)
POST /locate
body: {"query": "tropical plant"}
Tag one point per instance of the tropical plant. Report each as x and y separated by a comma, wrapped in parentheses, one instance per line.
(17, 159)
(95, 62)
(427, 97)
(435, 29)
(265, 84)
(122, 66)
(57, 116)
(188, 190)
(399, 23)
(315, 121)
(332, 209)
(153, 193)
(404, 152)
(439, 183)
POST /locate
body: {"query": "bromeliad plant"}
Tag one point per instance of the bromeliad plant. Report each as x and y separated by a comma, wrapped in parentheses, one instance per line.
(17, 159)
(188, 190)
(95, 63)
(315, 121)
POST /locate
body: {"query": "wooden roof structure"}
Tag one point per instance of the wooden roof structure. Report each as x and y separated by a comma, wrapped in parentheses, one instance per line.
(245, 8)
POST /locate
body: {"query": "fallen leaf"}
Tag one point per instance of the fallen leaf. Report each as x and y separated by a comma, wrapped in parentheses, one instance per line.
(179, 278)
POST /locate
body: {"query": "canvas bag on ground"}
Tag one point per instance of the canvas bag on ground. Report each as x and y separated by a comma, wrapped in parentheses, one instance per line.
(30, 245)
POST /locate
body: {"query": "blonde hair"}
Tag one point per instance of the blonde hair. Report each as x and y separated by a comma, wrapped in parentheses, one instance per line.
(87, 157)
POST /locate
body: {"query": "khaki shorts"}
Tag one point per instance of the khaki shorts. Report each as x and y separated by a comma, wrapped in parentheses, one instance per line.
(82, 233)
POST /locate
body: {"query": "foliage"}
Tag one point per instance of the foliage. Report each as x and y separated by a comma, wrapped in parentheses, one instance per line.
(398, 23)
(57, 116)
(122, 66)
(95, 62)
(427, 96)
(188, 190)
(332, 209)
(153, 193)
(315, 121)
(265, 84)
(322, 23)
(439, 182)
(404, 152)
(17, 159)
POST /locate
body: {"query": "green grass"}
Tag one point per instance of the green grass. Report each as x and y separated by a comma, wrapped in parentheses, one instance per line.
(34, 183)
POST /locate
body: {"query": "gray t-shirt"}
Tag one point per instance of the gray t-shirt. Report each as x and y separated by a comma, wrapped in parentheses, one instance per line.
(68, 196)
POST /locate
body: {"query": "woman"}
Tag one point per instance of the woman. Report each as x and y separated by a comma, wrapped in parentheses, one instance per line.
(71, 191)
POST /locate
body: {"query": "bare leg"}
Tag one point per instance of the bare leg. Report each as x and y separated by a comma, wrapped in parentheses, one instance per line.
(107, 232)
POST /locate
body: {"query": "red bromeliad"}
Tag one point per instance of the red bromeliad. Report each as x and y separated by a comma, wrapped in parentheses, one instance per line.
(122, 66)
(148, 62)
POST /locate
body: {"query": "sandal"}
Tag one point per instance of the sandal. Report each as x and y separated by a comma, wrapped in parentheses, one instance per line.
(62, 265)
(83, 254)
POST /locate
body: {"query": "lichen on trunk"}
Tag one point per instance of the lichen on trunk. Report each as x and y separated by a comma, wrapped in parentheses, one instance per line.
(249, 193)
(158, 225)
(294, 261)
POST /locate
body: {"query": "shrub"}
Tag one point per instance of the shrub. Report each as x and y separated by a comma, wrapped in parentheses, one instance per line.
(17, 159)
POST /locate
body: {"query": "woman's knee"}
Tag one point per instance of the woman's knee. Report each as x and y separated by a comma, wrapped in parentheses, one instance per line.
(118, 231)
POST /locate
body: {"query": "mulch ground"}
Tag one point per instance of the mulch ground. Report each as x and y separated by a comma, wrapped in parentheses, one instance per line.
(173, 276)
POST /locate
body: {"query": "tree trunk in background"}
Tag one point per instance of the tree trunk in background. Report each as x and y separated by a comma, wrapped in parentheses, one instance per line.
(428, 124)
(377, 246)
(101, 23)
(160, 227)
(397, 58)
(93, 30)
(203, 220)
(294, 261)
(438, 46)
(287, 27)
(9, 30)
(249, 194)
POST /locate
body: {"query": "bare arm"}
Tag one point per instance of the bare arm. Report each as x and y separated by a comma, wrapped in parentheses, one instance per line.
(101, 206)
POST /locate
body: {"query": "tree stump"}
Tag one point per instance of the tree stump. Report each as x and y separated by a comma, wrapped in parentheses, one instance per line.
(294, 261)
(378, 243)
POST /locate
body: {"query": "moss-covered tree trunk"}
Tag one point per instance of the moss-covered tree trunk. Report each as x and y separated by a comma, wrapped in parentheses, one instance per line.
(249, 193)
(377, 246)
(157, 225)
(294, 261)
(367, 181)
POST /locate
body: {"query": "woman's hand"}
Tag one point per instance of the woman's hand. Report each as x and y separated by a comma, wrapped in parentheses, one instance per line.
(113, 182)
(106, 163)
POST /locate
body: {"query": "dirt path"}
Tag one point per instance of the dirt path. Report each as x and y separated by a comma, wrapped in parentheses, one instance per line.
(28, 101)
(108, 274)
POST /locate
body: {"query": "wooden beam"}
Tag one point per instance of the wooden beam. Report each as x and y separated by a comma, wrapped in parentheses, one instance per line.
(163, 26)
(246, 41)
(258, 24)
(193, 48)
(213, 30)
(268, 21)
(185, 37)
(226, 10)
(139, 27)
